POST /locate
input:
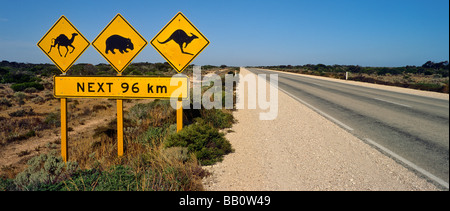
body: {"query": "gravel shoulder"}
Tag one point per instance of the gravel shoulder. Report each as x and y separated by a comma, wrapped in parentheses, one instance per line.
(301, 150)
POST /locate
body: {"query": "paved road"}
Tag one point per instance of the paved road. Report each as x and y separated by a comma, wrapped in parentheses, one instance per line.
(412, 129)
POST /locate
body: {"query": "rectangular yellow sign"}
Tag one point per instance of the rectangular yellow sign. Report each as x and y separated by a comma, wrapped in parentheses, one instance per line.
(121, 87)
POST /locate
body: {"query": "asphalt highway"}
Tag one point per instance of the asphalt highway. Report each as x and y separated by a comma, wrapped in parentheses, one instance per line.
(412, 129)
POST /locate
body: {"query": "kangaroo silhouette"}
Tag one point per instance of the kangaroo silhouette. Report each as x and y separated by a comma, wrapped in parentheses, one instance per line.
(62, 40)
(180, 37)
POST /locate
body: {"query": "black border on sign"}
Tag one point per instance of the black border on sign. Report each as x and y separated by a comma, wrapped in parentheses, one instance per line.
(115, 97)
(182, 69)
(126, 65)
(79, 33)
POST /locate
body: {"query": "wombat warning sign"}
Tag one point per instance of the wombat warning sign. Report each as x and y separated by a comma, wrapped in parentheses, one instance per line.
(119, 43)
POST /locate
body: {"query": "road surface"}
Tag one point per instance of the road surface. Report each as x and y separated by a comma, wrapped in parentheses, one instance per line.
(412, 129)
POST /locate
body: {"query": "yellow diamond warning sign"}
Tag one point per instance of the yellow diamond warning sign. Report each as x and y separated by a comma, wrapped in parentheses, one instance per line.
(179, 42)
(119, 43)
(63, 44)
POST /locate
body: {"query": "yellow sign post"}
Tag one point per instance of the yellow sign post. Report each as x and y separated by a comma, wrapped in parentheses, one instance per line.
(179, 42)
(119, 43)
(125, 87)
(64, 143)
(63, 44)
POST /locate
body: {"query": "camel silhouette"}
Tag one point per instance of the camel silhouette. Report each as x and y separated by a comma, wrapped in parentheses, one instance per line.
(62, 40)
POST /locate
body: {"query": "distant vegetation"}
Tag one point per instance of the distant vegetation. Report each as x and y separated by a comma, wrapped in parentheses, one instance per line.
(431, 76)
(16, 73)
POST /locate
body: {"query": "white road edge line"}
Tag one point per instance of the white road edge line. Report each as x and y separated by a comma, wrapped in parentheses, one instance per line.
(392, 102)
(408, 163)
(318, 111)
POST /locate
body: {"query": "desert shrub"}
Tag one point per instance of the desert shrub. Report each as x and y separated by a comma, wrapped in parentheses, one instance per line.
(96, 108)
(139, 111)
(5, 102)
(429, 87)
(151, 135)
(22, 112)
(206, 142)
(17, 77)
(176, 153)
(38, 100)
(18, 137)
(19, 96)
(48, 95)
(44, 172)
(117, 178)
(125, 178)
(156, 113)
(109, 131)
(22, 86)
(30, 90)
(53, 120)
(7, 184)
(217, 118)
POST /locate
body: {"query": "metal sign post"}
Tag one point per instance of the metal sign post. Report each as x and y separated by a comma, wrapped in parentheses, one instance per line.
(179, 42)
(63, 34)
(119, 125)
(179, 115)
(64, 147)
(119, 43)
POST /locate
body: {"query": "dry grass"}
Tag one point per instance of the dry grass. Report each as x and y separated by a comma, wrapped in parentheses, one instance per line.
(414, 81)
(92, 139)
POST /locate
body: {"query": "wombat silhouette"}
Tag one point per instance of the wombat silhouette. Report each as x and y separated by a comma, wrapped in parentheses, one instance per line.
(118, 42)
(180, 37)
(62, 40)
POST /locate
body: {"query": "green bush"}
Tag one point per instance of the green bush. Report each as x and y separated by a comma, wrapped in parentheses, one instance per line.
(117, 178)
(206, 142)
(17, 77)
(217, 118)
(22, 86)
(152, 135)
(5, 102)
(45, 172)
(22, 112)
(7, 184)
(53, 120)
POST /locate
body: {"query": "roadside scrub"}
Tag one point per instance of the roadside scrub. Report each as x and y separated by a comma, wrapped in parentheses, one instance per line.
(156, 156)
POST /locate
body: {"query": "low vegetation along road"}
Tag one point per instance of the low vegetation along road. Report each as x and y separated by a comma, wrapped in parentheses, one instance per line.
(411, 128)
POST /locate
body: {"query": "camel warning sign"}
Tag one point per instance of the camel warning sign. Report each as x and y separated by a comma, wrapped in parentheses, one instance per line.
(179, 42)
(119, 43)
(63, 44)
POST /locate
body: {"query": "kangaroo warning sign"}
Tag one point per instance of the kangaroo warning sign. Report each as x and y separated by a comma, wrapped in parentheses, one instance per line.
(63, 44)
(119, 43)
(179, 42)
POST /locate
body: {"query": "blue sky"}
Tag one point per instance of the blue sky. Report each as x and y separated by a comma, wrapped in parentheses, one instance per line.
(250, 32)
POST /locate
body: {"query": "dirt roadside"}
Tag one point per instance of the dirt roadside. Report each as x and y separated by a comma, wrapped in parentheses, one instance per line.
(12, 155)
(301, 150)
